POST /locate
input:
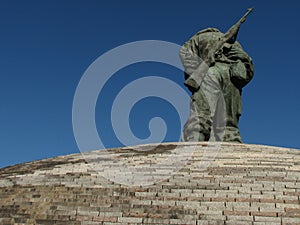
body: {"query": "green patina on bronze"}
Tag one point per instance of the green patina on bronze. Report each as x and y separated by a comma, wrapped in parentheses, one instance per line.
(216, 70)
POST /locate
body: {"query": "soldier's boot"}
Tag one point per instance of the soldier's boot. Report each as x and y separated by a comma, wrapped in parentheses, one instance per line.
(197, 129)
(232, 134)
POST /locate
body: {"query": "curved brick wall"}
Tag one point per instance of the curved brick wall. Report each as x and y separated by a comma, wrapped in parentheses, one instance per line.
(244, 184)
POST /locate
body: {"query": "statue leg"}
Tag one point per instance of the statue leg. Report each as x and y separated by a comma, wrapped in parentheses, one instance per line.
(203, 110)
(212, 87)
(198, 125)
(219, 119)
(228, 107)
(233, 101)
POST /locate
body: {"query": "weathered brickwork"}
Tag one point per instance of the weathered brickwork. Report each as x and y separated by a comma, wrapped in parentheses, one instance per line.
(243, 184)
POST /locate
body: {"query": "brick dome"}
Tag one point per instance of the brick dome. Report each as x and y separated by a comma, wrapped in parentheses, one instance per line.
(238, 184)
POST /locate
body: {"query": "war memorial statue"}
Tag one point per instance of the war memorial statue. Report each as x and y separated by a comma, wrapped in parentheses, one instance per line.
(216, 69)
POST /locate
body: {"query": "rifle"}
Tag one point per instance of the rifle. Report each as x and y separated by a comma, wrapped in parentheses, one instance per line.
(194, 80)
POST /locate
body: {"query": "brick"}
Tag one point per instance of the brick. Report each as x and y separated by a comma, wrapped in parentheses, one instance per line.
(236, 213)
(156, 221)
(157, 202)
(291, 193)
(169, 195)
(141, 202)
(105, 219)
(288, 220)
(136, 214)
(290, 206)
(238, 223)
(240, 218)
(215, 222)
(214, 205)
(263, 206)
(145, 194)
(87, 213)
(220, 199)
(292, 210)
(179, 221)
(238, 205)
(266, 223)
(270, 201)
(130, 220)
(110, 214)
(90, 223)
(264, 214)
(113, 223)
(213, 217)
(267, 219)
(188, 204)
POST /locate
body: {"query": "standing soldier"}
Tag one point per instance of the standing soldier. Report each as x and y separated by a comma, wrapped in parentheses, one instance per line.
(216, 70)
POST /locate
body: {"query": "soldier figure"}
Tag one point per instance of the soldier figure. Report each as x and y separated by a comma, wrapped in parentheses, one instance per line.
(216, 70)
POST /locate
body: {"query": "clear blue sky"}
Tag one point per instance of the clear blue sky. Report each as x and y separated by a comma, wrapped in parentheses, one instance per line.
(46, 46)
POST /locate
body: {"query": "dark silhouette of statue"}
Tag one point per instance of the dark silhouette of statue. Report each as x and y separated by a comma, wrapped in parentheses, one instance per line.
(216, 70)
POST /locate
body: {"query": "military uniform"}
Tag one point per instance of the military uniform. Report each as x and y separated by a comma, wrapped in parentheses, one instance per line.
(216, 103)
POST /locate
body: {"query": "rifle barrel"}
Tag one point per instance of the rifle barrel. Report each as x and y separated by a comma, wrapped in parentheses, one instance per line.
(246, 14)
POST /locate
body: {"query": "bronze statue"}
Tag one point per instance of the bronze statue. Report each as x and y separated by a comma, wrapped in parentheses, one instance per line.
(216, 70)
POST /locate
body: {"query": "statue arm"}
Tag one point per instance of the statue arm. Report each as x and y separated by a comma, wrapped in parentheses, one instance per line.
(189, 55)
(242, 69)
